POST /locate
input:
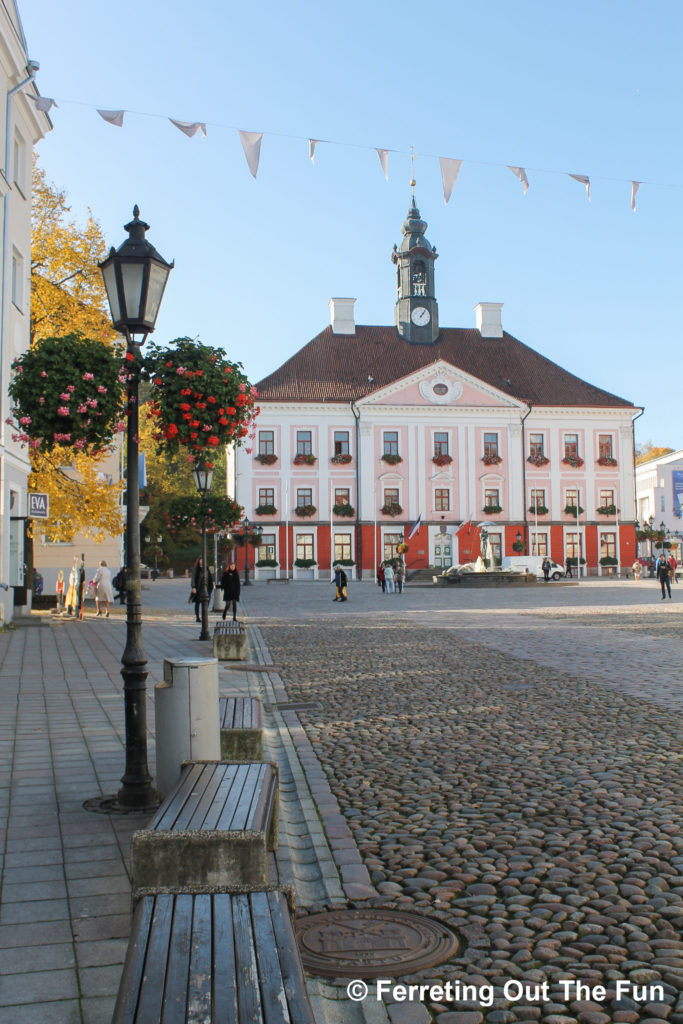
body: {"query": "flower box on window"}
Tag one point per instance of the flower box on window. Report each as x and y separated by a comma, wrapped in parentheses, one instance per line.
(341, 460)
(537, 460)
(571, 510)
(573, 460)
(607, 510)
(491, 460)
(608, 560)
(265, 510)
(442, 460)
(344, 510)
(305, 563)
(345, 561)
(391, 509)
(305, 460)
(538, 510)
(305, 511)
(393, 460)
(492, 510)
(266, 460)
(267, 563)
(606, 460)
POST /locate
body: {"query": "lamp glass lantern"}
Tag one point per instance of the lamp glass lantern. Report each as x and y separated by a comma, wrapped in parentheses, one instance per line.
(135, 277)
(203, 477)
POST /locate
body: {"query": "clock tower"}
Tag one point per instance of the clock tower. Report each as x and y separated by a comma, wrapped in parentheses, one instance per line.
(417, 312)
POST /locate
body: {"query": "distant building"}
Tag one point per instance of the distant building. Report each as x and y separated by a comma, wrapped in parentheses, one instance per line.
(23, 125)
(367, 428)
(659, 495)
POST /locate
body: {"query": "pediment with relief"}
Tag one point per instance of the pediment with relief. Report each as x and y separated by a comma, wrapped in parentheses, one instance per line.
(440, 385)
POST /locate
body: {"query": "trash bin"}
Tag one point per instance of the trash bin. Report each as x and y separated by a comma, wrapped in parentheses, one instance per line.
(187, 724)
(218, 602)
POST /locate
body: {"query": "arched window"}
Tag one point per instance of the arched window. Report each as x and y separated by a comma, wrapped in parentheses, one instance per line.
(419, 278)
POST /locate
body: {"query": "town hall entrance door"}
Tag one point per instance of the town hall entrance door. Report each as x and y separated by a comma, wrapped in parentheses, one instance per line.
(443, 551)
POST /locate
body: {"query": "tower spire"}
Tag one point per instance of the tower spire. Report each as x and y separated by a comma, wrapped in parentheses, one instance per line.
(416, 312)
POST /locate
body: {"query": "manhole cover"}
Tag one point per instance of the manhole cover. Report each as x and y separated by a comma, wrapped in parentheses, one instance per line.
(372, 943)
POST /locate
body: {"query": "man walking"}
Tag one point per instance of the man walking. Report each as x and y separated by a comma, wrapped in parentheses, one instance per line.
(663, 574)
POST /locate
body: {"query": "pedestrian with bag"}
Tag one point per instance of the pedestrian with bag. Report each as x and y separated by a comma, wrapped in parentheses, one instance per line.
(230, 585)
(197, 584)
(340, 582)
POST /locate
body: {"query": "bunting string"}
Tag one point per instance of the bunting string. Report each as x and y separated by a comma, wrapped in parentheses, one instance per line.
(251, 145)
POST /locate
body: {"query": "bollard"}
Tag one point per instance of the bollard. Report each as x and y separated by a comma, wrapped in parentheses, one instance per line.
(218, 602)
(187, 725)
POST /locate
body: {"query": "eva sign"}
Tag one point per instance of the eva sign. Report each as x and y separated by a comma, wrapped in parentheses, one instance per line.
(38, 505)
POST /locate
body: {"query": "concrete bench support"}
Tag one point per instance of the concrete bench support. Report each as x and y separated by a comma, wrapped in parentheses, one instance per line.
(230, 641)
(241, 729)
(213, 957)
(214, 829)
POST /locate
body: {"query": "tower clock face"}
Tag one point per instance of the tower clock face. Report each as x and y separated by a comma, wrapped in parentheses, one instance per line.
(420, 316)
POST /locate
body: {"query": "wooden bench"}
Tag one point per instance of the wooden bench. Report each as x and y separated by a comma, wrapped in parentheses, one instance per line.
(223, 957)
(213, 829)
(230, 641)
(241, 726)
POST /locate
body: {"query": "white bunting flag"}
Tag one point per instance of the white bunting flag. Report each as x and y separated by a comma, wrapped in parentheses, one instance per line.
(583, 180)
(43, 103)
(383, 155)
(251, 144)
(312, 143)
(112, 117)
(450, 169)
(635, 185)
(520, 173)
(189, 128)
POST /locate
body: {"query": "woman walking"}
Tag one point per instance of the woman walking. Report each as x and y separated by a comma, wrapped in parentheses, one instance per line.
(103, 589)
(230, 585)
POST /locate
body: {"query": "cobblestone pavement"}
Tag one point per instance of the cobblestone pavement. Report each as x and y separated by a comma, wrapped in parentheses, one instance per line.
(516, 772)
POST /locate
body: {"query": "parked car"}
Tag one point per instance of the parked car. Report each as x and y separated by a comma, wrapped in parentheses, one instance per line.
(147, 573)
(533, 564)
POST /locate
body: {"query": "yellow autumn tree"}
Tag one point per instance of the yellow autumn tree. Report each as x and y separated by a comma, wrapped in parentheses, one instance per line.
(68, 297)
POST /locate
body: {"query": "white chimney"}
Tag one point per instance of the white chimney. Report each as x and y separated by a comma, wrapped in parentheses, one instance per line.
(489, 322)
(341, 316)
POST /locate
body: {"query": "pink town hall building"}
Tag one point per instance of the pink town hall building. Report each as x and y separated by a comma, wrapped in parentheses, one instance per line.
(368, 428)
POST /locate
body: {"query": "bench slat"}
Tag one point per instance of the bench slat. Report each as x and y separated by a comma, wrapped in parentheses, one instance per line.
(248, 990)
(194, 798)
(224, 972)
(290, 961)
(200, 1003)
(154, 973)
(131, 979)
(213, 785)
(270, 974)
(177, 971)
(168, 811)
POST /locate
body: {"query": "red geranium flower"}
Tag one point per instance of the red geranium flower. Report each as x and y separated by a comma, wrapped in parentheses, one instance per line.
(213, 441)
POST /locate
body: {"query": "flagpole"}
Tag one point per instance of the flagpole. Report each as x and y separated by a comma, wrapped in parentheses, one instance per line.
(287, 529)
(375, 530)
(618, 551)
(331, 535)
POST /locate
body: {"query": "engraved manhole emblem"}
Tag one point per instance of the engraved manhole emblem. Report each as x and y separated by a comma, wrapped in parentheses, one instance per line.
(372, 943)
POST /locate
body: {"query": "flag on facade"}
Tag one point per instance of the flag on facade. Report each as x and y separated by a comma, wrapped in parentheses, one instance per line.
(416, 527)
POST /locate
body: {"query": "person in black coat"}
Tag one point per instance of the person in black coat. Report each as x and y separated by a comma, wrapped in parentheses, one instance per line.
(196, 586)
(230, 585)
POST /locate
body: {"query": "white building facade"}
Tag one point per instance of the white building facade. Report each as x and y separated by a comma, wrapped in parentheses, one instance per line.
(367, 429)
(23, 124)
(659, 497)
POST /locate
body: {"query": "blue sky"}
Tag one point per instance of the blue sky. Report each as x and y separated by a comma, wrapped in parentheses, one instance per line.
(557, 88)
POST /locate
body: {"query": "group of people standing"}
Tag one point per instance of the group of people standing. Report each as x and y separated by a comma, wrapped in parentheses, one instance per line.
(390, 578)
(71, 594)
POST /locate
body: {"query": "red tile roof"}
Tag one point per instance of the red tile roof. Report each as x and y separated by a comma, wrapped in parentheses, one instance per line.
(336, 367)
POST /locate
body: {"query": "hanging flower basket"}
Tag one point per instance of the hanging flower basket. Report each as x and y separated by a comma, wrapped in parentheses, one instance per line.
(393, 460)
(266, 460)
(393, 509)
(305, 511)
(67, 391)
(341, 460)
(201, 401)
(537, 460)
(305, 460)
(403, 549)
(442, 460)
(344, 510)
(607, 460)
(518, 546)
(215, 512)
(573, 460)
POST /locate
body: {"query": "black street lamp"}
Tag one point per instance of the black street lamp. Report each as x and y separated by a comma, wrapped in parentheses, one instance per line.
(203, 476)
(135, 276)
